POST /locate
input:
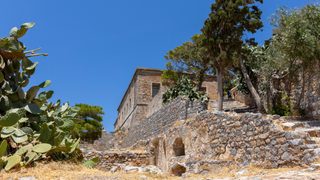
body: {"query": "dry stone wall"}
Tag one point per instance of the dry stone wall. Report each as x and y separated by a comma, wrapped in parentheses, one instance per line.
(184, 137)
(311, 98)
(246, 99)
(219, 139)
(178, 109)
(109, 160)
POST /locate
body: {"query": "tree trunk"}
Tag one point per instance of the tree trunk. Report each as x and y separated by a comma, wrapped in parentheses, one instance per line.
(200, 78)
(253, 91)
(274, 89)
(199, 86)
(302, 90)
(219, 72)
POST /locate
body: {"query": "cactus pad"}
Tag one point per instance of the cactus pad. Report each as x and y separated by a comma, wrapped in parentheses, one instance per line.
(23, 150)
(41, 148)
(89, 164)
(12, 161)
(45, 84)
(32, 108)
(9, 119)
(3, 148)
(67, 125)
(5, 103)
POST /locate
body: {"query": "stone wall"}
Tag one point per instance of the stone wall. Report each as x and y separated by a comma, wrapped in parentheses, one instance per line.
(310, 100)
(178, 109)
(305, 90)
(246, 99)
(134, 106)
(156, 102)
(109, 160)
(228, 140)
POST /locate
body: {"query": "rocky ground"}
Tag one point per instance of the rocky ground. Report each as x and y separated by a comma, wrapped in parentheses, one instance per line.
(66, 172)
(301, 174)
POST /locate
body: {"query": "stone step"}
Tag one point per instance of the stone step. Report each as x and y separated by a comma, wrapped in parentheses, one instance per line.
(313, 132)
(230, 105)
(250, 110)
(292, 125)
(316, 139)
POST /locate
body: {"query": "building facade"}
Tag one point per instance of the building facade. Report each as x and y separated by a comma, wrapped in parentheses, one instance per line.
(143, 96)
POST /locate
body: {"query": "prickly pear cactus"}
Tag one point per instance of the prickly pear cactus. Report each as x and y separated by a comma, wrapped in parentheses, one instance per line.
(30, 126)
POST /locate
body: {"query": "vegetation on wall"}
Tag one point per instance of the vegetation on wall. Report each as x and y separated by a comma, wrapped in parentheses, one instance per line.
(186, 87)
(31, 128)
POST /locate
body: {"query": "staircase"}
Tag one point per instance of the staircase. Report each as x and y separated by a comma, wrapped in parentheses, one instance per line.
(312, 127)
(230, 105)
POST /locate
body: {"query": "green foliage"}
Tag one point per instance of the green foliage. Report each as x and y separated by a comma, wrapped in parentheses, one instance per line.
(170, 76)
(225, 34)
(228, 81)
(283, 107)
(294, 47)
(32, 125)
(89, 164)
(90, 128)
(12, 161)
(191, 56)
(185, 86)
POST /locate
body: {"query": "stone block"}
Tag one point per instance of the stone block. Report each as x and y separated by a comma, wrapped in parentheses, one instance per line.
(295, 135)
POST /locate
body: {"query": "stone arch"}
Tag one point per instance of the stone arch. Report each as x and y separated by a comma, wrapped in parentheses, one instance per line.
(155, 150)
(178, 147)
(178, 169)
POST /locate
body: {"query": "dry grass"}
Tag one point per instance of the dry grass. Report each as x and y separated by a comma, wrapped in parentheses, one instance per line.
(52, 170)
(64, 171)
(252, 171)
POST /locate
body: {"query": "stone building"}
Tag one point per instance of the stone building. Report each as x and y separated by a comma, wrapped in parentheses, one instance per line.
(143, 96)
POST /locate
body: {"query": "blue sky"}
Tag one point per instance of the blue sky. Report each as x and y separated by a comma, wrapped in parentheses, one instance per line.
(95, 46)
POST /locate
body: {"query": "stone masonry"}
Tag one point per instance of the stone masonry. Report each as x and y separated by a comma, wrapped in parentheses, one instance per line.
(109, 160)
(213, 141)
(178, 109)
(184, 137)
(138, 101)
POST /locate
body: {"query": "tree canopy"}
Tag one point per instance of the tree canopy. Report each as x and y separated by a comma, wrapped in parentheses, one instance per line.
(191, 56)
(224, 32)
(91, 128)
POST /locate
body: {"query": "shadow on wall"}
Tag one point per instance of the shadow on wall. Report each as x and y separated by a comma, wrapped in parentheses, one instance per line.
(178, 147)
(178, 169)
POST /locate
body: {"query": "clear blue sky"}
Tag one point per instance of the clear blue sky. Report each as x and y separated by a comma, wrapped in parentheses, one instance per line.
(95, 46)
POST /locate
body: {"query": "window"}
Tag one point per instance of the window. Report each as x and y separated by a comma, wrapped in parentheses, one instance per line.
(122, 115)
(127, 108)
(178, 147)
(155, 89)
(130, 103)
(203, 89)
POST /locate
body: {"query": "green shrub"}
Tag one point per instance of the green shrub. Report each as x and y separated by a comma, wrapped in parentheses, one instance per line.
(186, 87)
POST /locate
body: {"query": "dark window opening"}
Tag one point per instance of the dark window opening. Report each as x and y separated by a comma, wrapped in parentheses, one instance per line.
(178, 170)
(155, 89)
(203, 89)
(178, 147)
